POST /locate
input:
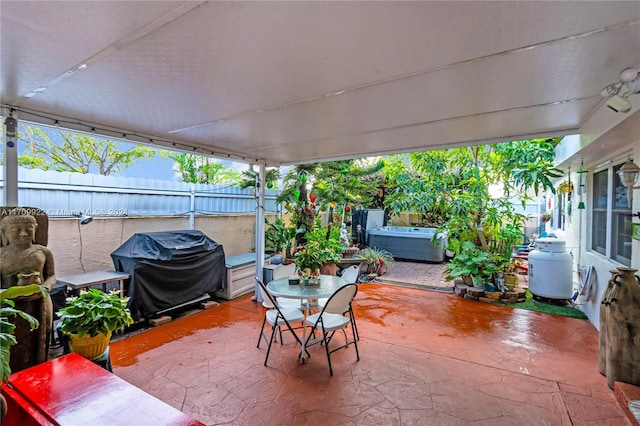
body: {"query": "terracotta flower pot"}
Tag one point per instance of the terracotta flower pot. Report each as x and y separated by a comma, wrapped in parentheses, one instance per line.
(329, 269)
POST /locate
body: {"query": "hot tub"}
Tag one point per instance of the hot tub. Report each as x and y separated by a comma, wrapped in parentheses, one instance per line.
(409, 243)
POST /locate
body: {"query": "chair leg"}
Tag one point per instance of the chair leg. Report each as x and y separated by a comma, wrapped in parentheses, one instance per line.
(262, 332)
(273, 332)
(326, 348)
(355, 326)
(354, 330)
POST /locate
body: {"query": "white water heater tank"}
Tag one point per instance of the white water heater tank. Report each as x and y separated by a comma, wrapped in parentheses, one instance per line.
(550, 274)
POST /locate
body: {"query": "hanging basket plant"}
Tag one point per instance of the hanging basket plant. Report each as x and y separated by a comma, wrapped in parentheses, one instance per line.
(566, 187)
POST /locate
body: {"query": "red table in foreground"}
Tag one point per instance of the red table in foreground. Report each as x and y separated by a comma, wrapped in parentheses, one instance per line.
(72, 390)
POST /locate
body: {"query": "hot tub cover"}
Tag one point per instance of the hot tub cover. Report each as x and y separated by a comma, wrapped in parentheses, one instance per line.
(169, 268)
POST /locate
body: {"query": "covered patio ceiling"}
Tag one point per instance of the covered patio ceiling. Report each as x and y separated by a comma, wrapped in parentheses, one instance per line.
(280, 83)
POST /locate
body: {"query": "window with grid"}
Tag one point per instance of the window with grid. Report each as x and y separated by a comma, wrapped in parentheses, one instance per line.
(611, 238)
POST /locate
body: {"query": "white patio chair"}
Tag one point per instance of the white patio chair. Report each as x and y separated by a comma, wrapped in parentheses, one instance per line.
(277, 317)
(350, 275)
(283, 302)
(332, 319)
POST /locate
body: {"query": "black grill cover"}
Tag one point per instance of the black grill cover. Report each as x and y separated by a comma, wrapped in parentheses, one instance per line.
(168, 269)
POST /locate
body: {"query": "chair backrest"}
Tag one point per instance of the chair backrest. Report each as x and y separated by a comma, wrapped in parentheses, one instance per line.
(350, 274)
(267, 299)
(340, 301)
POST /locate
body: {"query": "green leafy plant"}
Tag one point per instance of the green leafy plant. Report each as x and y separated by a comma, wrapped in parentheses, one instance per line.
(455, 186)
(377, 260)
(453, 245)
(322, 246)
(327, 242)
(94, 312)
(279, 236)
(308, 260)
(7, 309)
(471, 261)
(194, 168)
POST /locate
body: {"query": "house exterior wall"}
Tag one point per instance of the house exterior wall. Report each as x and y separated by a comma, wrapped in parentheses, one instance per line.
(83, 248)
(577, 234)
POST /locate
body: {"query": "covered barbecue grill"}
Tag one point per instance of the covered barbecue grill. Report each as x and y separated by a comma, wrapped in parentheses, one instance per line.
(169, 269)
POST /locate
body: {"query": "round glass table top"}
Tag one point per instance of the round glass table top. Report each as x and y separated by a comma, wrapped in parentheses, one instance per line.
(328, 285)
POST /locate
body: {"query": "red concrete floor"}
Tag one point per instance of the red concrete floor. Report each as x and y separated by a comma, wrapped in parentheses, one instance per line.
(426, 358)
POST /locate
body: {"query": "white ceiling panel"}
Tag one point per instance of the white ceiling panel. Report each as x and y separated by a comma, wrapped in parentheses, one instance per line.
(295, 82)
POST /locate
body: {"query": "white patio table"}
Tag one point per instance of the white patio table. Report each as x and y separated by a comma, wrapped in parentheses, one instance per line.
(306, 294)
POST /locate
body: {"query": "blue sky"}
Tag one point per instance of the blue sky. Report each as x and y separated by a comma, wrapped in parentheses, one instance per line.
(156, 168)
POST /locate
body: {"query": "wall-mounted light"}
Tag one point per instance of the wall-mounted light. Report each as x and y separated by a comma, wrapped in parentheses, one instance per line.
(629, 173)
(84, 218)
(618, 93)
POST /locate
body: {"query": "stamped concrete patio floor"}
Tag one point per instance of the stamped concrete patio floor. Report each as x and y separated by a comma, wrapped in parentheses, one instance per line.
(426, 358)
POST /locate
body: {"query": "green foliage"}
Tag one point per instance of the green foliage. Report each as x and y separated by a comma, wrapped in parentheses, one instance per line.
(79, 153)
(296, 198)
(504, 240)
(547, 308)
(7, 309)
(322, 246)
(292, 182)
(453, 188)
(334, 184)
(471, 261)
(326, 240)
(200, 169)
(376, 259)
(342, 182)
(248, 178)
(536, 176)
(309, 258)
(279, 236)
(94, 312)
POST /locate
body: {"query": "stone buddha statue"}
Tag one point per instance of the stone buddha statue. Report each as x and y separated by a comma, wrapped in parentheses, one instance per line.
(23, 262)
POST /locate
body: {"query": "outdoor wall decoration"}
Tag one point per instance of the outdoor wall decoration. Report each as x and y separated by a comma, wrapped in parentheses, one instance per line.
(635, 231)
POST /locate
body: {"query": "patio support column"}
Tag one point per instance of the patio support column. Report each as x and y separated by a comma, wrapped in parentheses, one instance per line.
(260, 196)
(10, 151)
(192, 208)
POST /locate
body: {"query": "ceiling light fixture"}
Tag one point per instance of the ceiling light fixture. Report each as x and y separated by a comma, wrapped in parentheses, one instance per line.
(628, 74)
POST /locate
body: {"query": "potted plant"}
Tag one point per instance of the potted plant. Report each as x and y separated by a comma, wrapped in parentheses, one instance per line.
(545, 217)
(471, 262)
(7, 337)
(7, 309)
(376, 260)
(308, 261)
(326, 248)
(89, 319)
(565, 187)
